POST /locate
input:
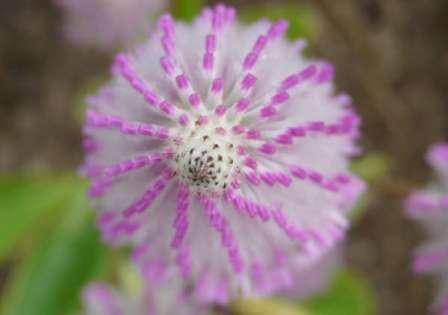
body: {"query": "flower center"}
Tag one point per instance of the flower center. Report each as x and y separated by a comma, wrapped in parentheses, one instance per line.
(206, 162)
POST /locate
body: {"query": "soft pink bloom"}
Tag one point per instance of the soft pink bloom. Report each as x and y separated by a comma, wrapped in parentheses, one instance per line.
(429, 206)
(313, 277)
(108, 24)
(101, 299)
(219, 148)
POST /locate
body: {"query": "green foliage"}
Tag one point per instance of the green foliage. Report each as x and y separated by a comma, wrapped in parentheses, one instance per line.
(350, 294)
(267, 307)
(186, 10)
(91, 87)
(372, 167)
(48, 280)
(26, 201)
(360, 208)
(300, 18)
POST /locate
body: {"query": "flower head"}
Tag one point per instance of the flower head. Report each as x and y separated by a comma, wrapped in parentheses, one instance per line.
(101, 299)
(429, 206)
(107, 24)
(219, 148)
(313, 277)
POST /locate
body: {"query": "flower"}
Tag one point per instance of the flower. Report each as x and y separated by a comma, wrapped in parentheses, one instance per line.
(107, 24)
(429, 207)
(219, 148)
(101, 299)
(313, 277)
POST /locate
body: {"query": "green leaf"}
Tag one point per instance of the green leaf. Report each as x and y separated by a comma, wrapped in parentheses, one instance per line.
(300, 18)
(267, 307)
(49, 280)
(91, 87)
(25, 201)
(360, 208)
(372, 167)
(186, 9)
(350, 294)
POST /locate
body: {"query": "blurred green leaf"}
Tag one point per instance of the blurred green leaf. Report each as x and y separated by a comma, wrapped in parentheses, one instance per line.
(372, 167)
(186, 9)
(360, 207)
(266, 307)
(350, 294)
(26, 200)
(49, 280)
(300, 18)
(91, 87)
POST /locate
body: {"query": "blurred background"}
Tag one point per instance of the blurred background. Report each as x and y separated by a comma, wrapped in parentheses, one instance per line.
(390, 55)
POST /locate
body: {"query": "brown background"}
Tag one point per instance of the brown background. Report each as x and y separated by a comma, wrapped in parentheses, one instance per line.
(390, 55)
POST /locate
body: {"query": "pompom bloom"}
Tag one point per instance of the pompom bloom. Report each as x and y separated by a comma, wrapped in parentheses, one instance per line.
(107, 24)
(313, 277)
(218, 148)
(429, 206)
(101, 299)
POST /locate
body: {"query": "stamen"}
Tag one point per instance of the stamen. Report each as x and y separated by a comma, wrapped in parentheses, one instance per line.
(134, 164)
(315, 177)
(181, 219)
(252, 208)
(205, 162)
(149, 195)
(102, 120)
(221, 225)
(123, 64)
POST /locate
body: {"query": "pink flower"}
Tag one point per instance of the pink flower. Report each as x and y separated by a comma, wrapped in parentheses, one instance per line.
(429, 207)
(101, 299)
(219, 148)
(309, 275)
(312, 277)
(107, 24)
